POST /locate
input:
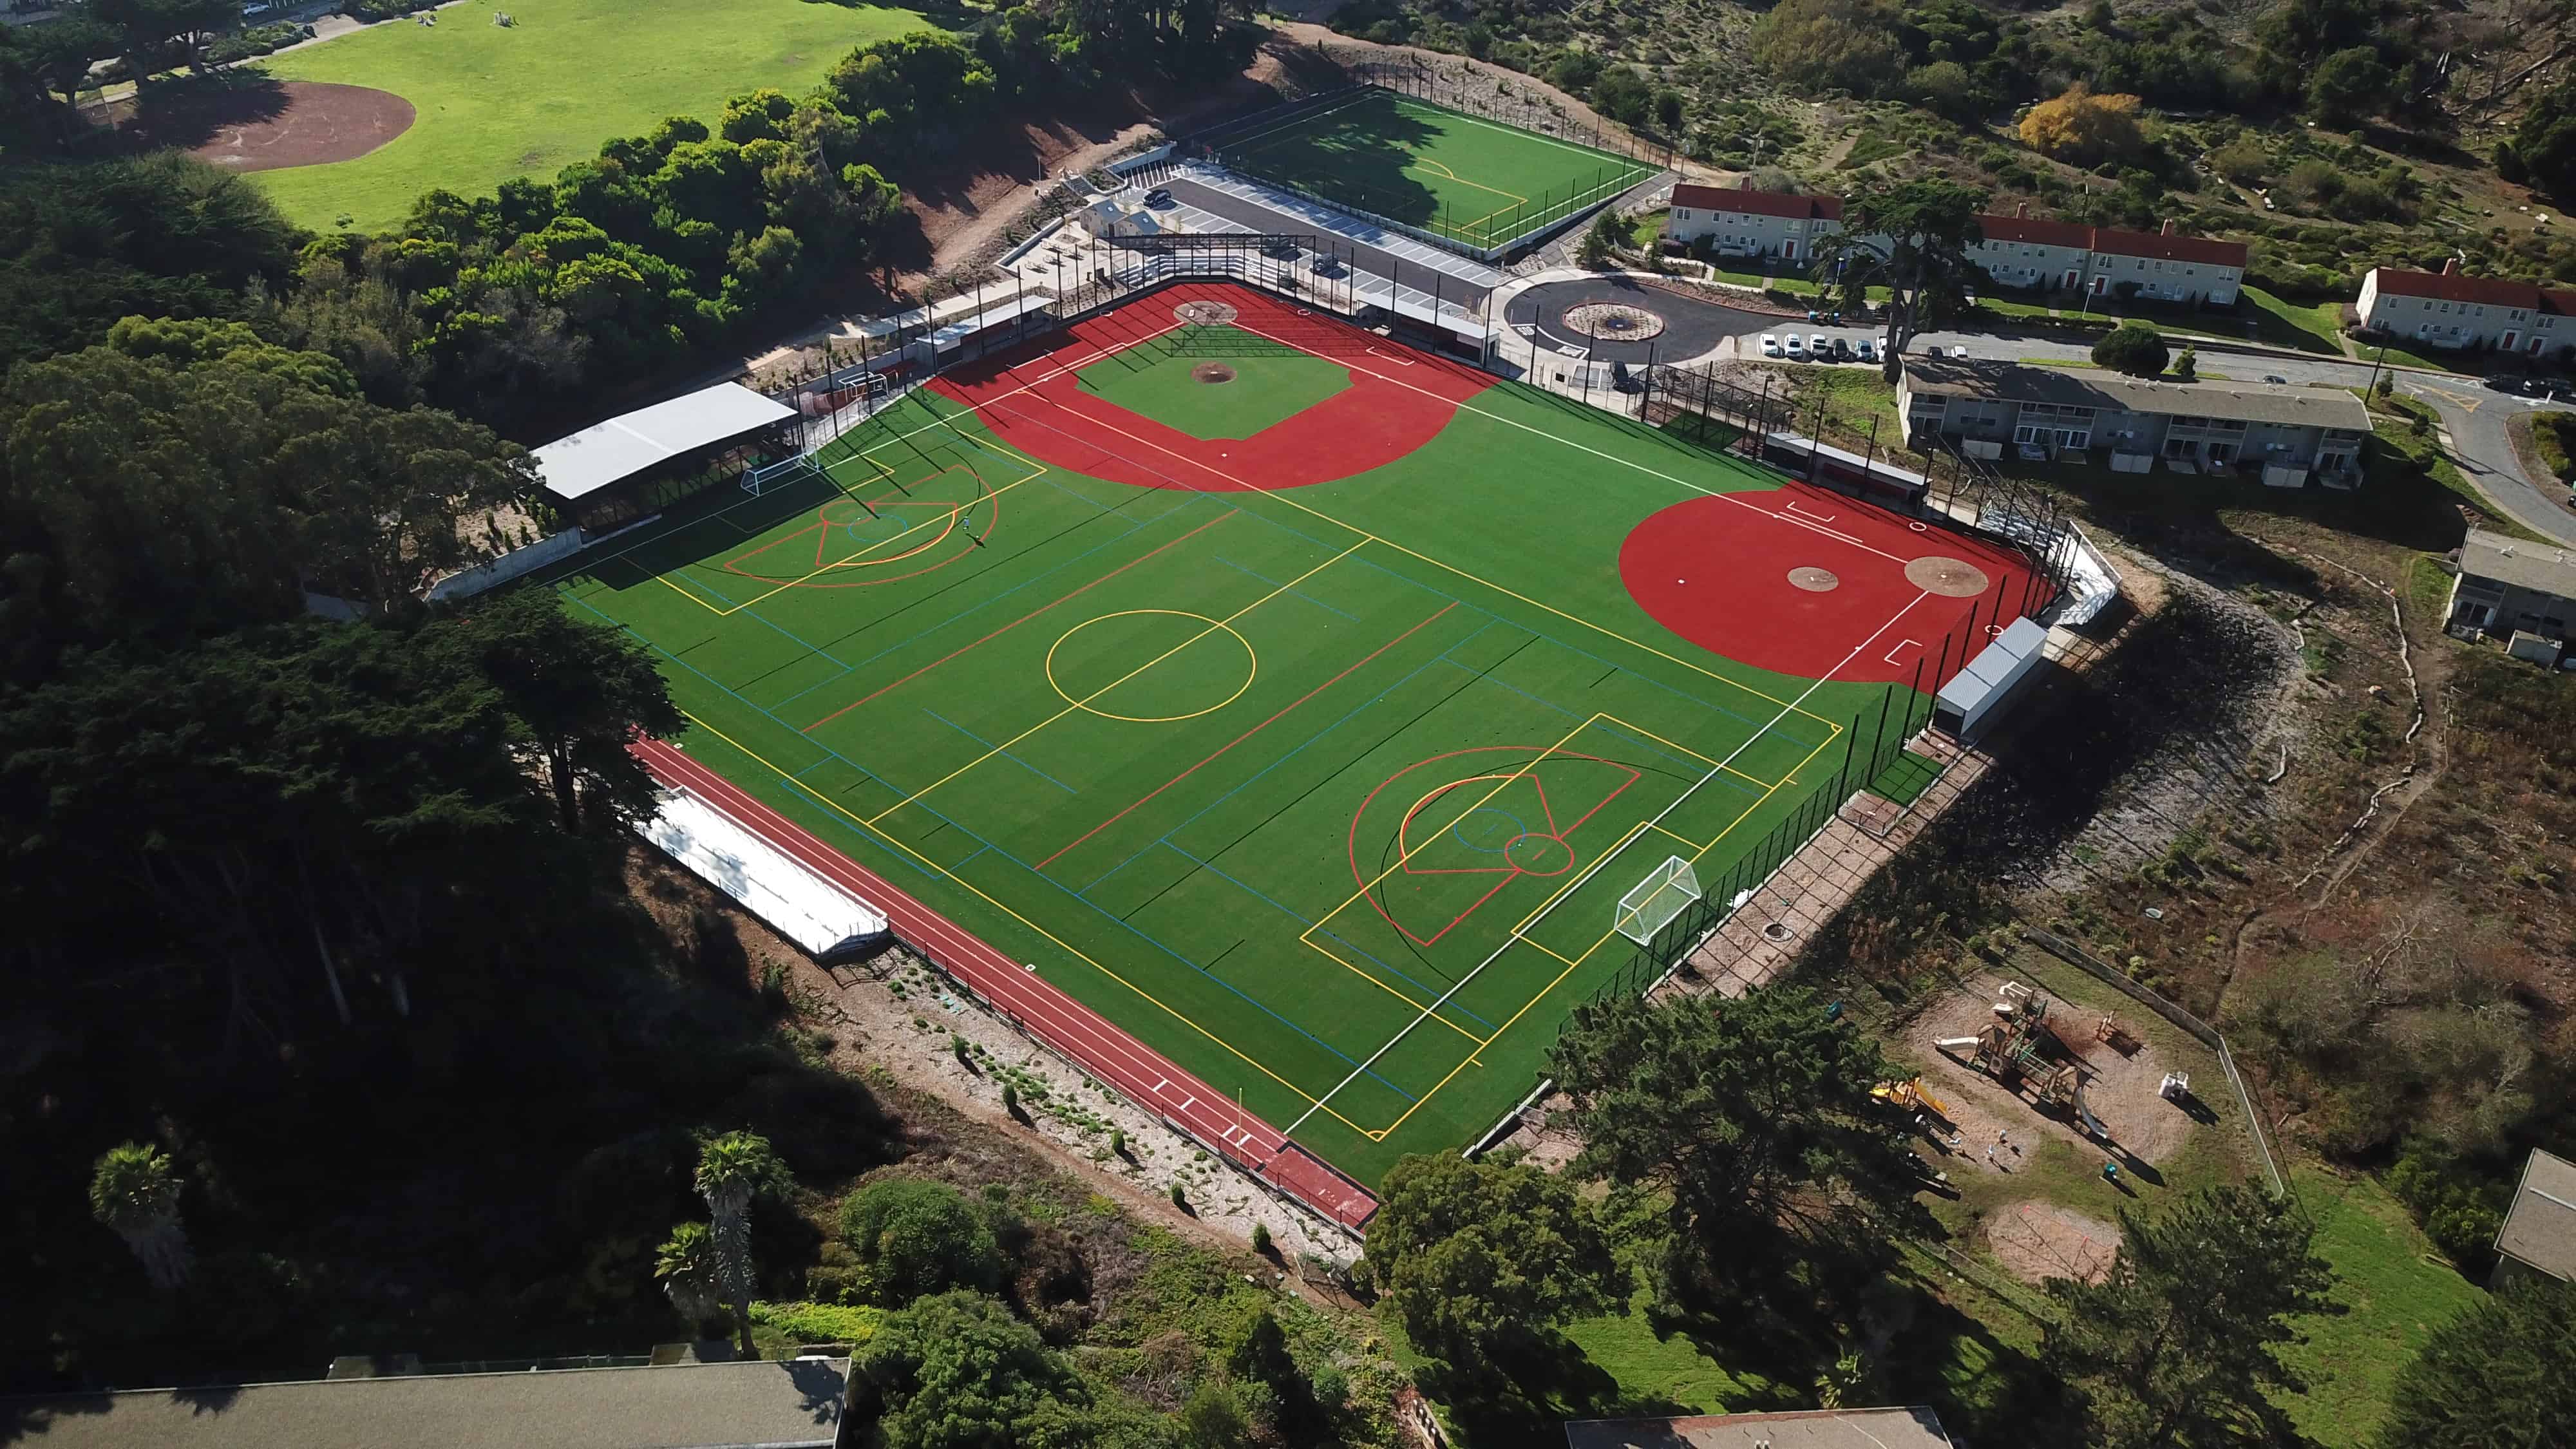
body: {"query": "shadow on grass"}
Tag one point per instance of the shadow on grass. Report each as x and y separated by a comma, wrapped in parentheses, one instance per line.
(189, 112)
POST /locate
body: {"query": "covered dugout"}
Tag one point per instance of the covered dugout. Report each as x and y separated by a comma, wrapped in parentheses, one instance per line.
(610, 473)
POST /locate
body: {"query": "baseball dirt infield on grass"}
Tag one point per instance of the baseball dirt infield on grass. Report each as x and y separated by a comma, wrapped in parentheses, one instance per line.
(532, 97)
(1309, 727)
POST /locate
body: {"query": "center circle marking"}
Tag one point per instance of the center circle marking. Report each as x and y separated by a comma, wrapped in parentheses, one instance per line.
(1505, 826)
(1251, 666)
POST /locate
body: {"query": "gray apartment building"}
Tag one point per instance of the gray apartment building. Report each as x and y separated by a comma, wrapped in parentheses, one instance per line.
(2019, 251)
(2523, 592)
(2289, 435)
(2447, 309)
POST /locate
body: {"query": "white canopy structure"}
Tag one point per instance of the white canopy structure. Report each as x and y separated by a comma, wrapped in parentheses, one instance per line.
(604, 453)
(798, 904)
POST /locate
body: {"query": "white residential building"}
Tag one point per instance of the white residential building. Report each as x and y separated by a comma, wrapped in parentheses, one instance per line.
(2018, 251)
(2446, 309)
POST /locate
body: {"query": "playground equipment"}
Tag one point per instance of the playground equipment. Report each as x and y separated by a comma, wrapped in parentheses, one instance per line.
(2111, 1033)
(1910, 1094)
(2011, 1050)
(2175, 1087)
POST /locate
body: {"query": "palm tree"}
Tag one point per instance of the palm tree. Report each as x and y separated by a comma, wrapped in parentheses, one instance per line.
(686, 1267)
(1911, 238)
(732, 1170)
(134, 1191)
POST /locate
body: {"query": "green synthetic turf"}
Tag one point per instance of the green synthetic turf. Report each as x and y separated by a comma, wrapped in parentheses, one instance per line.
(531, 98)
(1272, 383)
(1906, 777)
(1478, 181)
(1130, 738)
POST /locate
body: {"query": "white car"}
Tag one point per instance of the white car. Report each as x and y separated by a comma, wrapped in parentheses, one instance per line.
(1771, 344)
(1793, 345)
(1816, 344)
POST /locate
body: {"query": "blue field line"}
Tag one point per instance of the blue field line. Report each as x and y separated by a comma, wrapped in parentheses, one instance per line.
(1184, 822)
(998, 750)
(1211, 868)
(1277, 586)
(1033, 579)
(791, 638)
(906, 858)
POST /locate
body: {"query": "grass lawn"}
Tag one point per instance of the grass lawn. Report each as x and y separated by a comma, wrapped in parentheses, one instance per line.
(1479, 181)
(2399, 440)
(2394, 1291)
(1317, 759)
(547, 91)
(2307, 326)
(2435, 360)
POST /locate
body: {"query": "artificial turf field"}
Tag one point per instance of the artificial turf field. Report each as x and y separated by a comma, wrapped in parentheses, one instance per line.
(547, 90)
(1314, 744)
(1473, 180)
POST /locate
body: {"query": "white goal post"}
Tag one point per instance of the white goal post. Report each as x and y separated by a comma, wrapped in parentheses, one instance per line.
(757, 480)
(1666, 892)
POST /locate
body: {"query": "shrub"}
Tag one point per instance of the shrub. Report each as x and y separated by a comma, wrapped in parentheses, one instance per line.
(1261, 1239)
(852, 1324)
(2187, 366)
(2134, 348)
(2084, 128)
(1117, 1141)
(914, 1238)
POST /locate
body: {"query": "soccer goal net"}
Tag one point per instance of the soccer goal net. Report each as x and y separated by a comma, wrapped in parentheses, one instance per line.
(770, 475)
(1666, 892)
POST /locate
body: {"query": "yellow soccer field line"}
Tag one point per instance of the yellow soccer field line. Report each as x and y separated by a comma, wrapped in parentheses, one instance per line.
(1426, 161)
(1398, 995)
(1501, 783)
(1588, 952)
(1687, 750)
(1466, 574)
(953, 513)
(927, 863)
(1077, 706)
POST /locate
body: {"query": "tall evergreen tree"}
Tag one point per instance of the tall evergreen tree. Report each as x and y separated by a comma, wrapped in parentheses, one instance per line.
(2501, 1375)
(732, 1170)
(1912, 238)
(134, 1191)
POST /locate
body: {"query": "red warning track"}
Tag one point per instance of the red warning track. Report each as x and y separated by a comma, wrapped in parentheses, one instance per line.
(1028, 998)
(1398, 401)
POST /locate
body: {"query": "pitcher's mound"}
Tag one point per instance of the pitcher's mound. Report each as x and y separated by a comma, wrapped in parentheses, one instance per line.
(1211, 372)
(321, 123)
(1205, 314)
(1951, 578)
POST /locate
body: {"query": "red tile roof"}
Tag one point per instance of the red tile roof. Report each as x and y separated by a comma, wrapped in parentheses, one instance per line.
(2168, 246)
(2036, 231)
(1760, 203)
(2452, 287)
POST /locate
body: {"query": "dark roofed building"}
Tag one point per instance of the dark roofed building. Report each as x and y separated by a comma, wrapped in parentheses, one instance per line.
(789, 1405)
(2288, 435)
(2538, 1239)
(1910, 1428)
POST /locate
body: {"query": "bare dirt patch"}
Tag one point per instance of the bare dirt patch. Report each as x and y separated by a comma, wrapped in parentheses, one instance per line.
(2040, 1240)
(1212, 372)
(318, 123)
(2120, 1083)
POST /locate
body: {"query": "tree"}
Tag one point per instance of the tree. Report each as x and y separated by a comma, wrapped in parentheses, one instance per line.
(2544, 142)
(153, 35)
(2243, 160)
(2083, 128)
(956, 1371)
(2186, 365)
(2502, 1372)
(2349, 86)
(1607, 235)
(1946, 88)
(577, 692)
(2178, 1344)
(918, 1238)
(1911, 238)
(1753, 1116)
(732, 1170)
(685, 1265)
(1847, 45)
(2134, 348)
(134, 1191)
(1482, 1259)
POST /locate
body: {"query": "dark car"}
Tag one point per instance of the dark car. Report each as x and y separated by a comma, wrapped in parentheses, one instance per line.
(2538, 387)
(1158, 198)
(1842, 349)
(2504, 384)
(1284, 251)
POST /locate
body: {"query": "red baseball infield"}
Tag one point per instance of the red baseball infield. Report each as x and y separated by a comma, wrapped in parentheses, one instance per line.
(1397, 402)
(1036, 1005)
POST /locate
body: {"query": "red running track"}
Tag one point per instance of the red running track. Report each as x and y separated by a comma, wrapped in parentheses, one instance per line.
(1064, 1023)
